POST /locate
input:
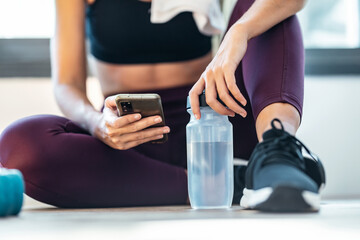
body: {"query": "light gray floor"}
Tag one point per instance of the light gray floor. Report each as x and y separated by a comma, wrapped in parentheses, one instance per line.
(336, 220)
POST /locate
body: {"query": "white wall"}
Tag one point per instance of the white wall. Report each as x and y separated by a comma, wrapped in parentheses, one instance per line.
(331, 129)
(20, 97)
(330, 126)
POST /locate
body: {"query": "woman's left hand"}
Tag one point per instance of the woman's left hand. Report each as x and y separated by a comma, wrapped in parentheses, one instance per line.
(219, 77)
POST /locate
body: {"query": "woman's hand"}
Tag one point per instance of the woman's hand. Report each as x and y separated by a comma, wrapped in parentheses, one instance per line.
(127, 131)
(92, 1)
(219, 76)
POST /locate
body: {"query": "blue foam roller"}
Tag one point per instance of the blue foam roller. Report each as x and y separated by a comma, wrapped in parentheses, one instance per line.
(11, 192)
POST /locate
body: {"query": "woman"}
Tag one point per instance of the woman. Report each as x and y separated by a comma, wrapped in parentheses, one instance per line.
(97, 159)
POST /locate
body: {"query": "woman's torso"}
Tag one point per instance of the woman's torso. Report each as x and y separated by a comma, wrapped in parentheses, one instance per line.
(132, 54)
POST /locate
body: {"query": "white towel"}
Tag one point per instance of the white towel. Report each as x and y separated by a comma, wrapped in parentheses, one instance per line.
(207, 13)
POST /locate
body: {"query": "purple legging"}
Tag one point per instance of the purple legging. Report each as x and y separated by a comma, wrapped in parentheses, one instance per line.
(64, 166)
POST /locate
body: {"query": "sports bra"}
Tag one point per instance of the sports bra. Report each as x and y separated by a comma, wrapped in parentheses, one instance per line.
(120, 32)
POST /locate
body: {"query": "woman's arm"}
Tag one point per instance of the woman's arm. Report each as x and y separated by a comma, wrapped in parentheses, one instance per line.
(264, 14)
(219, 77)
(69, 76)
(68, 59)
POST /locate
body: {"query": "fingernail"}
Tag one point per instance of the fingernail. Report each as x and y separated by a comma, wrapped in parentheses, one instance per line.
(166, 130)
(137, 116)
(158, 119)
(160, 136)
(197, 116)
(243, 114)
(244, 103)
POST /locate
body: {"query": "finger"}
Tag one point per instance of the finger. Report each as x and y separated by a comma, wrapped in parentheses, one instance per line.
(144, 123)
(232, 86)
(125, 126)
(227, 99)
(138, 142)
(90, 1)
(194, 93)
(144, 134)
(119, 122)
(211, 98)
(110, 112)
(111, 103)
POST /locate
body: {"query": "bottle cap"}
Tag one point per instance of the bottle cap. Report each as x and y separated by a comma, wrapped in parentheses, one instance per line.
(202, 101)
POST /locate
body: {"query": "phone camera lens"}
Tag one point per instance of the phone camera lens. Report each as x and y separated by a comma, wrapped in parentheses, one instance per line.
(126, 106)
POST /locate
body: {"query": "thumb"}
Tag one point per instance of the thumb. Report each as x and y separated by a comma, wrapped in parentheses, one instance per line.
(111, 103)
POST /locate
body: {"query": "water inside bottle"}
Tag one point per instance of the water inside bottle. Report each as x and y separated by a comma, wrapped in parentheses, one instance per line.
(210, 172)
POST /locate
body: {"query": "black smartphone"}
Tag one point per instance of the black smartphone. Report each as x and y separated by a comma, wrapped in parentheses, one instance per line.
(147, 104)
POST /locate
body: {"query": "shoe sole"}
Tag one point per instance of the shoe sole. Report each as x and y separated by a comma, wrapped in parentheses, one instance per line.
(281, 199)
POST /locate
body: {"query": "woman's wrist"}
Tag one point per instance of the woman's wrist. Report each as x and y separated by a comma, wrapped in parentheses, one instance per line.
(245, 29)
(92, 119)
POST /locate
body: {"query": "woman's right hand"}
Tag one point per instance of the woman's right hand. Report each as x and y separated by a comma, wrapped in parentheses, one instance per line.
(92, 1)
(127, 131)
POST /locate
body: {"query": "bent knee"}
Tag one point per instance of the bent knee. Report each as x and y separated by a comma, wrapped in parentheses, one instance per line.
(24, 142)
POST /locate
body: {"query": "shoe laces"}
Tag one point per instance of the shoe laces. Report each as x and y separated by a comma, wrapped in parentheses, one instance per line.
(280, 147)
(284, 148)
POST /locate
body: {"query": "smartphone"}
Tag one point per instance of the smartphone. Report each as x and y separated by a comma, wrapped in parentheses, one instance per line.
(147, 104)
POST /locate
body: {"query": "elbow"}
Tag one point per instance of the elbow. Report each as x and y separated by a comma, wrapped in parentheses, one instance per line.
(293, 6)
(299, 5)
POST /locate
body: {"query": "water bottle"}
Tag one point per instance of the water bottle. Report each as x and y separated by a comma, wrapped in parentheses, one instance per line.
(11, 192)
(209, 158)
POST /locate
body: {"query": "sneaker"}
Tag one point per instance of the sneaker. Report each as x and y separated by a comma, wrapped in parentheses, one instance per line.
(279, 178)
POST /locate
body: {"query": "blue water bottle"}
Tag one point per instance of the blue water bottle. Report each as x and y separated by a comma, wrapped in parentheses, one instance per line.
(209, 158)
(11, 192)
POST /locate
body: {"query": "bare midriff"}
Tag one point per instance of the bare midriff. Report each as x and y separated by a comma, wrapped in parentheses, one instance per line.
(116, 78)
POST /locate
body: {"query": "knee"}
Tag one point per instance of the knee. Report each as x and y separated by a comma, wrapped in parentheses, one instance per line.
(23, 143)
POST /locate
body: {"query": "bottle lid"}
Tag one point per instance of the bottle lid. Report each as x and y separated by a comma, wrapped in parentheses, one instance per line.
(202, 101)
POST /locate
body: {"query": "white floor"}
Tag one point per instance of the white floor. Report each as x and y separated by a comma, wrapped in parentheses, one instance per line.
(336, 220)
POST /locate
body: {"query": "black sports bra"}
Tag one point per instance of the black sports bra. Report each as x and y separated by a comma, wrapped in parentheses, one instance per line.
(120, 32)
